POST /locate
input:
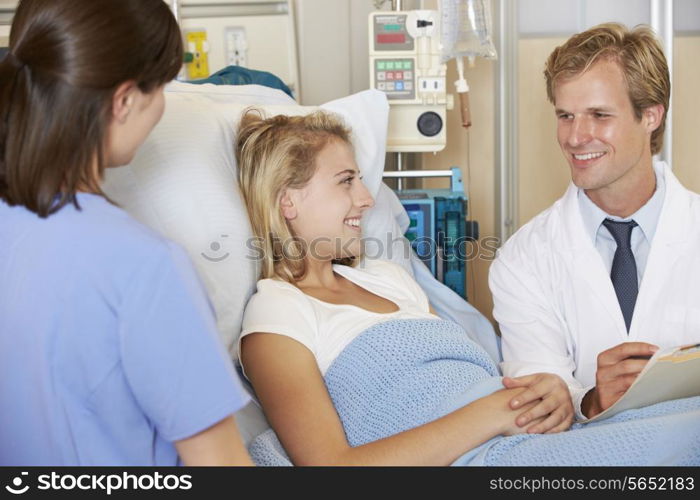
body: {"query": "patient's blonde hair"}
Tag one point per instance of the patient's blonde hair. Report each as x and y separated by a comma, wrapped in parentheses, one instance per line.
(273, 155)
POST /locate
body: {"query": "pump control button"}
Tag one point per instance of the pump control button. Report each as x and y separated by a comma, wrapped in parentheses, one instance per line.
(429, 124)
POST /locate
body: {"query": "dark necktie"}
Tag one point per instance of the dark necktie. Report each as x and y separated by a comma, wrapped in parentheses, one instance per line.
(624, 269)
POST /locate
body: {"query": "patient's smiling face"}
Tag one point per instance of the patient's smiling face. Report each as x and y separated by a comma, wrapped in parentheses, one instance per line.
(326, 213)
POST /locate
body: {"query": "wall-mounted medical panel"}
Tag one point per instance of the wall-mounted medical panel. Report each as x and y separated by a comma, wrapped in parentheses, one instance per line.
(404, 63)
(257, 34)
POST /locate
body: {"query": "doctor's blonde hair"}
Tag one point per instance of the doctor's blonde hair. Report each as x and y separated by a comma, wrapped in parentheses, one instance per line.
(637, 52)
(273, 155)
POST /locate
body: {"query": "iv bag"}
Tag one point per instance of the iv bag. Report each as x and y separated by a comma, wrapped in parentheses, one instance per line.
(466, 29)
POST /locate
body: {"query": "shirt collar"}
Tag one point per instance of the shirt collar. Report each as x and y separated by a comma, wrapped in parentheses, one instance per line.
(647, 217)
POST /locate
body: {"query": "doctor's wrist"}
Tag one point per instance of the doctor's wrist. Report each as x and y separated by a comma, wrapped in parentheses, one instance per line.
(590, 404)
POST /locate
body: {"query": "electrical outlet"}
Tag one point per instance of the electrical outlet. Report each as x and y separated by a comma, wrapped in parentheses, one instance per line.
(236, 46)
(431, 85)
(198, 46)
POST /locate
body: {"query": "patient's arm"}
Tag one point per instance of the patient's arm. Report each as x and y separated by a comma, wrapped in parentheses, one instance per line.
(220, 444)
(294, 397)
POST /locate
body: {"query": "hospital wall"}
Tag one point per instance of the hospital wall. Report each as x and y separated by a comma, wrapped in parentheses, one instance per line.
(332, 40)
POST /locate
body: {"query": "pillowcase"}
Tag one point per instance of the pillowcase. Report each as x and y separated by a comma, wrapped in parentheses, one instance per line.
(182, 181)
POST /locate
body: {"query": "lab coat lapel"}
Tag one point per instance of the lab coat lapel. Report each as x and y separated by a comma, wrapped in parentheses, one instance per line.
(672, 233)
(588, 266)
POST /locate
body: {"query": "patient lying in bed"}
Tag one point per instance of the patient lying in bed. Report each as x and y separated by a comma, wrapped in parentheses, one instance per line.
(348, 361)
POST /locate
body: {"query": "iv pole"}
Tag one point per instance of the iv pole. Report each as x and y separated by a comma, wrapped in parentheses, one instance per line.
(396, 4)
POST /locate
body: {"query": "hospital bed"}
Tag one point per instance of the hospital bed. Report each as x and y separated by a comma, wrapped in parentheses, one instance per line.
(182, 183)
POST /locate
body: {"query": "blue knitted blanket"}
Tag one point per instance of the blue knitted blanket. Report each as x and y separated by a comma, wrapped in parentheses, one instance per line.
(401, 374)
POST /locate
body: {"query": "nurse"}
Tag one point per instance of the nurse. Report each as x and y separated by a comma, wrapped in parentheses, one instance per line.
(591, 287)
(108, 347)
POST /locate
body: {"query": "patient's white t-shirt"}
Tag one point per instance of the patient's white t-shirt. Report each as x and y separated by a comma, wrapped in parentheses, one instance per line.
(324, 328)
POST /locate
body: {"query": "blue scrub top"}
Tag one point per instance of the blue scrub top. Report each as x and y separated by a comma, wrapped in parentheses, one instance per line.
(109, 350)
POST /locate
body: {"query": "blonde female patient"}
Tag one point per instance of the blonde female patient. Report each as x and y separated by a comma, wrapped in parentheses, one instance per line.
(347, 359)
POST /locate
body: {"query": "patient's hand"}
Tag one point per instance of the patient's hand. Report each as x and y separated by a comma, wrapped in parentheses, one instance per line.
(553, 413)
(497, 409)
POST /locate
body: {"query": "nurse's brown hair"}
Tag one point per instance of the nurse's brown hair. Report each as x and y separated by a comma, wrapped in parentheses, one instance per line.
(66, 59)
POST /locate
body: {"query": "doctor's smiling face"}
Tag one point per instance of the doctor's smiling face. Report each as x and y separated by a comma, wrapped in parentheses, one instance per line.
(606, 145)
(326, 213)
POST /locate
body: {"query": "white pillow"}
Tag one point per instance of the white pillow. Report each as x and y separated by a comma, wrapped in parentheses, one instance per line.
(383, 228)
(182, 181)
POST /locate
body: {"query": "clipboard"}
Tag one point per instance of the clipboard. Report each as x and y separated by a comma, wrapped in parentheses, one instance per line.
(672, 373)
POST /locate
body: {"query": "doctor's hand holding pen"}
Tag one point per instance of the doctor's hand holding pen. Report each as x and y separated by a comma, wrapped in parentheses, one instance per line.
(618, 368)
(553, 412)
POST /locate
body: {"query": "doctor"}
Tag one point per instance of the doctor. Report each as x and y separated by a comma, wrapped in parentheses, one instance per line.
(595, 284)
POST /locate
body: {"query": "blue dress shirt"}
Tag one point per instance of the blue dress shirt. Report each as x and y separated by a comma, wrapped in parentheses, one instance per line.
(647, 219)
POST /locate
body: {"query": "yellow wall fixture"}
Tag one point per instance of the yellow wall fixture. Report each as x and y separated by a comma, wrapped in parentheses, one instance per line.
(197, 45)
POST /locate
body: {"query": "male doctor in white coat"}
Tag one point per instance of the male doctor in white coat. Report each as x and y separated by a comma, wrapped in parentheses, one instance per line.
(595, 284)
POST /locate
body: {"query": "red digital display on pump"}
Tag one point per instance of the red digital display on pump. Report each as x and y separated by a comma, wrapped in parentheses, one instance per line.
(393, 38)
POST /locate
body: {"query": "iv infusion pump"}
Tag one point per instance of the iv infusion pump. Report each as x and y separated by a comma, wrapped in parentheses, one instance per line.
(404, 59)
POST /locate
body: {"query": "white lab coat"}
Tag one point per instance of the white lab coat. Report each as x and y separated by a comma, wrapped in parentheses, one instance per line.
(555, 302)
